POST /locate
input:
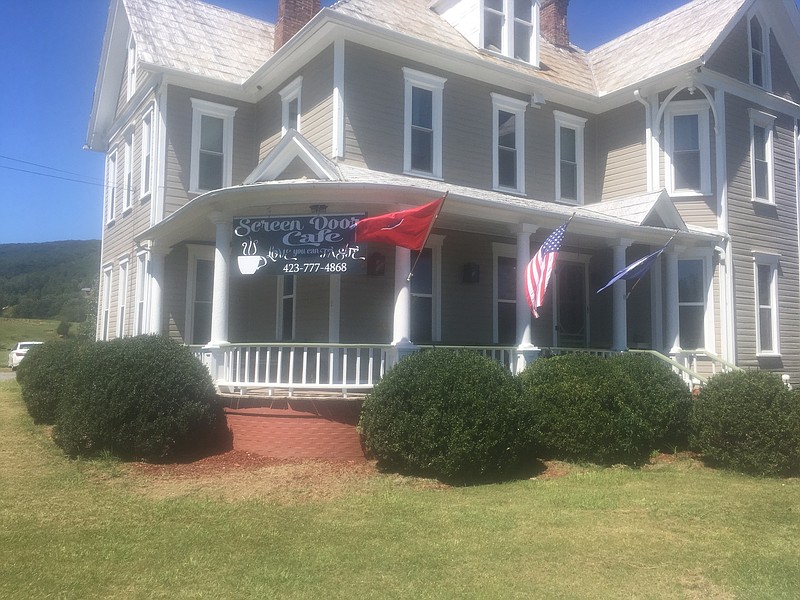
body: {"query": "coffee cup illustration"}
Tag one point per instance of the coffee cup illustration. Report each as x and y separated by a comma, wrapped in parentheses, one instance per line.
(250, 264)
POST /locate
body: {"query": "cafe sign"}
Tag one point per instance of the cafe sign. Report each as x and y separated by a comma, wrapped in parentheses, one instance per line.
(299, 245)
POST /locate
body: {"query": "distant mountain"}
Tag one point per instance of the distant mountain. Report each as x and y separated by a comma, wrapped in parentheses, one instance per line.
(49, 280)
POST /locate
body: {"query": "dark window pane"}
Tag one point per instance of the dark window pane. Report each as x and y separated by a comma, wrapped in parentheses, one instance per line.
(421, 319)
(422, 150)
(506, 278)
(568, 147)
(422, 281)
(288, 319)
(506, 323)
(294, 113)
(522, 41)
(761, 178)
(756, 38)
(506, 129)
(211, 133)
(523, 10)
(691, 327)
(493, 31)
(765, 329)
(687, 135)
(758, 69)
(690, 281)
(687, 170)
(210, 172)
(422, 108)
(507, 168)
(204, 281)
(569, 181)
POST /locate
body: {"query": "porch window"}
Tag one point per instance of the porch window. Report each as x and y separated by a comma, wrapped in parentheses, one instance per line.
(122, 300)
(569, 157)
(212, 146)
(691, 303)
(509, 144)
(111, 187)
(287, 301)
(766, 288)
(105, 326)
(422, 297)
(761, 157)
(199, 294)
(423, 123)
(759, 54)
(142, 293)
(290, 106)
(688, 152)
(509, 28)
(146, 166)
(506, 273)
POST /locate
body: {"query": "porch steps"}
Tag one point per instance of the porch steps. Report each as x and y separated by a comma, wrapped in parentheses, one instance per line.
(307, 426)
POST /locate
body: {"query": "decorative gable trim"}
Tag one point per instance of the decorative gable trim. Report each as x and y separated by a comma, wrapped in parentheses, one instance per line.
(293, 146)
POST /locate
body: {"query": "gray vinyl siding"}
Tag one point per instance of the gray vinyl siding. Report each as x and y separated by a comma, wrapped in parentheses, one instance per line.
(783, 82)
(316, 107)
(622, 152)
(174, 294)
(179, 144)
(731, 57)
(367, 303)
(764, 228)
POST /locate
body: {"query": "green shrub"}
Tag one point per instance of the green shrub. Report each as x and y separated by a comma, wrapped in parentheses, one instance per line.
(454, 415)
(748, 421)
(607, 411)
(140, 398)
(46, 377)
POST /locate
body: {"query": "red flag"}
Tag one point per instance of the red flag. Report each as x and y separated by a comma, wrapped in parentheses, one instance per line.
(538, 271)
(406, 228)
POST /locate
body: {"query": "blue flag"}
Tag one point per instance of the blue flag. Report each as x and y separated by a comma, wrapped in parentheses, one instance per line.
(635, 270)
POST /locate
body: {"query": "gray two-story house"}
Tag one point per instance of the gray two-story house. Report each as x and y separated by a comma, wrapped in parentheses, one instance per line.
(239, 153)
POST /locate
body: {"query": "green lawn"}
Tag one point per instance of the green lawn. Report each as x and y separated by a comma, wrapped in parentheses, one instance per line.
(24, 330)
(77, 529)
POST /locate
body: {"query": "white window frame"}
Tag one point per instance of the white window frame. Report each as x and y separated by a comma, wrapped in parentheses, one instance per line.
(131, 68)
(105, 322)
(282, 296)
(196, 253)
(508, 30)
(500, 250)
(122, 295)
(434, 84)
(709, 333)
(146, 158)
(290, 94)
(141, 307)
(435, 243)
(766, 122)
(771, 261)
(577, 124)
(685, 108)
(111, 187)
(201, 108)
(764, 53)
(127, 172)
(517, 107)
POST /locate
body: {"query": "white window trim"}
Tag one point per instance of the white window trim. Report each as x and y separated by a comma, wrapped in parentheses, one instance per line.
(435, 85)
(517, 107)
(767, 122)
(772, 261)
(289, 94)
(505, 251)
(279, 313)
(680, 108)
(122, 295)
(196, 252)
(220, 111)
(508, 30)
(142, 293)
(709, 331)
(146, 141)
(577, 124)
(105, 315)
(111, 187)
(131, 66)
(435, 243)
(766, 53)
(127, 171)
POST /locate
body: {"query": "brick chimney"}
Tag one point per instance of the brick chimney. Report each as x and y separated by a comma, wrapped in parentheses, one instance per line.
(292, 15)
(553, 22)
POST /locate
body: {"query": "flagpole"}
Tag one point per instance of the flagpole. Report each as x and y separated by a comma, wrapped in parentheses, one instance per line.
(427, 235)
(664, 247)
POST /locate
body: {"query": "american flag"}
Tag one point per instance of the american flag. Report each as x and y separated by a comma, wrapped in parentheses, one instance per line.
(537, 274)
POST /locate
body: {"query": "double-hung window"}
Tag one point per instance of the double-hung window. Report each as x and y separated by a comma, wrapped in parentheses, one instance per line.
(131, 69)
(509, 27)
(212, 146)
(569, 157)
(105, 324)
(761, 157)
(508, 132)
(766, 288)
(122, 299)
(142, 293)
(758, 37)
(422, 133)
(146, 165)
(287, 303)
(290, 106)
(111, 187)
(688, 148)
(692, 297)
(127, 173)
(199, 294)
(505, 294)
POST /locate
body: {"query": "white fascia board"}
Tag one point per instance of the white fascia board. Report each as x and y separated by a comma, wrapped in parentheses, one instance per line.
(749, 92)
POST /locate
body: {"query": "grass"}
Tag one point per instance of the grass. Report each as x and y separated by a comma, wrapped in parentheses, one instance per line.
(23, 330)
(81, 529)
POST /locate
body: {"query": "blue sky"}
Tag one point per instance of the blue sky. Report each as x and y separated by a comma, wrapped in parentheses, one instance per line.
(50, 188)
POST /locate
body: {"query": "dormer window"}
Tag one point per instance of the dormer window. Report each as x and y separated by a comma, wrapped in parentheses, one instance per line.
(510, 27)
(131, 68)
(759, 54)
(290, 106)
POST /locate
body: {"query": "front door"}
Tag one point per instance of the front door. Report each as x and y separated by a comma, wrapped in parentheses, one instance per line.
(571, 313)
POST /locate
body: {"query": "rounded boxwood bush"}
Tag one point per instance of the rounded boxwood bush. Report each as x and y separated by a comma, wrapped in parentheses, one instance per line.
(45, 377)
(144, 398)
(606, 411)
(454, 415)
(748, 421)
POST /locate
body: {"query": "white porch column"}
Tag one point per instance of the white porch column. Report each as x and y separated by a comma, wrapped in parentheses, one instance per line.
(619, 293)
(526, 351)
(672, 328)
(158, 256)
(401, 329)
(219, 304)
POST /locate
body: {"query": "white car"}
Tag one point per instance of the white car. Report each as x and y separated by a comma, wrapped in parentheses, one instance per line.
(18, 353)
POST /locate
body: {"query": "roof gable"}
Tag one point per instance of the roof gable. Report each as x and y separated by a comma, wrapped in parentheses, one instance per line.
(294, 158)
(654, 209)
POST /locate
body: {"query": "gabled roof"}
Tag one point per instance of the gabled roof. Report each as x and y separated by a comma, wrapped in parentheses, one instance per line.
(293, 147)
(680, 38)
(197, 38)
(654, 209)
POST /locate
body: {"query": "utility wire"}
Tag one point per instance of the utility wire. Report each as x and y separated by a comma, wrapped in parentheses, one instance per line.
(53, 176)
(26, 162)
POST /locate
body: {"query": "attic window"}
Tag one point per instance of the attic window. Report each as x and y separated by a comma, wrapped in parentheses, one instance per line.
(509, 28)
(131, 68)
(759, 54)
